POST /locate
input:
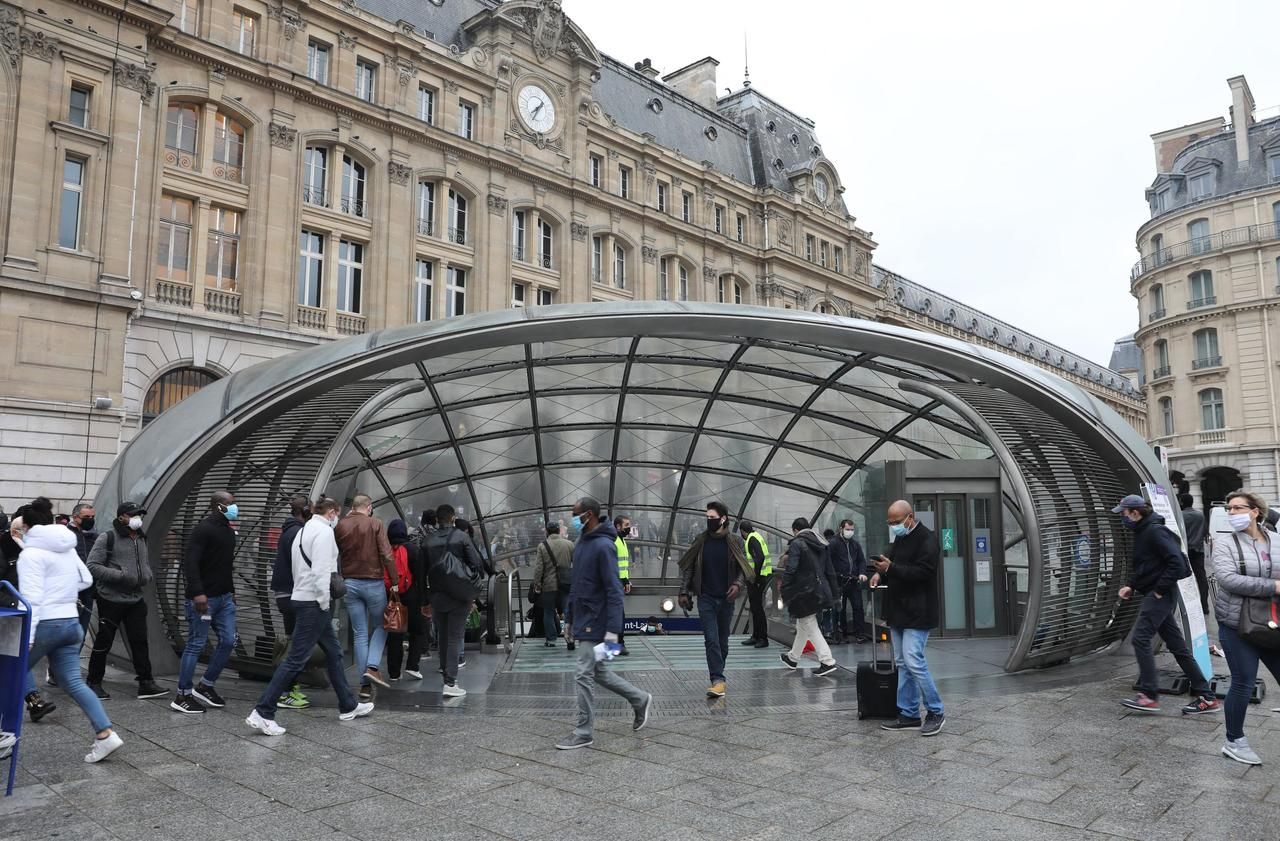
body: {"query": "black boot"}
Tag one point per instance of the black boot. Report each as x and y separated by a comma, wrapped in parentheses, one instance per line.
(38, 708)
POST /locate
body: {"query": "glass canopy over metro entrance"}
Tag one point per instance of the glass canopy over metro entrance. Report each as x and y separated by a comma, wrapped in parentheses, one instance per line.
(655, 411)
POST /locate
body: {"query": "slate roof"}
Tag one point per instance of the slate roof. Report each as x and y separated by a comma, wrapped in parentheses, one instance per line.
(1220, 148)
(1126, 355)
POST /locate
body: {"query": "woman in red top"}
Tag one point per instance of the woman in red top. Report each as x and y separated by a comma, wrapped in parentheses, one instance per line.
(405, 554)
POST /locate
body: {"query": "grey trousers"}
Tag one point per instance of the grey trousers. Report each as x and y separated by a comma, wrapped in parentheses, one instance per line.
(589, 674)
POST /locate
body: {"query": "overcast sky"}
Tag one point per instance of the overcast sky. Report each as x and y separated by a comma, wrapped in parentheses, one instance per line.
(998, 152)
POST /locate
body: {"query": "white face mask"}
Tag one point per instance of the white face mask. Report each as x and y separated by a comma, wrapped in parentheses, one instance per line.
(1240, 522)
(847, 534)
(333, 522)
(135, 523)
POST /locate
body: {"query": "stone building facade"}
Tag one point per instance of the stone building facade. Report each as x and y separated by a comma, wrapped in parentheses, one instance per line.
(197, 186)
(1208, 290)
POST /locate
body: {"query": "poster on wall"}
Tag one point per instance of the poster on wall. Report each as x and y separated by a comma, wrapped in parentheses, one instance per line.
(1193, 622)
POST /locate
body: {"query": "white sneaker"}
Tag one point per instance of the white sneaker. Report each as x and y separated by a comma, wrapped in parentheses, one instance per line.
(1240, 751)
(453, 690)
(265, 725)
(360, 711)
(102, 748)
(411, 673)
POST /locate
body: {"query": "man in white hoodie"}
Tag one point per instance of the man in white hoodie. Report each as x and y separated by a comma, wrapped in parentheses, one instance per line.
(315, 559)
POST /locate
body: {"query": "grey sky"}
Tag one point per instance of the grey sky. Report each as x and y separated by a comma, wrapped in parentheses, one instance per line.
(998, 152)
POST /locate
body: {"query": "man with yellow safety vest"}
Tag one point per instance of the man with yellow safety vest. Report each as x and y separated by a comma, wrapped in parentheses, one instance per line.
(623, 527)
(760, 559)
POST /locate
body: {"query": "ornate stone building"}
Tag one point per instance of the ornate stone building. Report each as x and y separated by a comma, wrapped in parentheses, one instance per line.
(1208, 290)
(197, 186)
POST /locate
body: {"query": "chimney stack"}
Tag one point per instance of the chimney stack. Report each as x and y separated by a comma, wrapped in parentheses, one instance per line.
(646, 67)
(1242, 106)
(696, 81)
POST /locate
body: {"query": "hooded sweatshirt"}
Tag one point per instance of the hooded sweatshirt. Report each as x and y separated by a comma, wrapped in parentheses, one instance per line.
(52, 574)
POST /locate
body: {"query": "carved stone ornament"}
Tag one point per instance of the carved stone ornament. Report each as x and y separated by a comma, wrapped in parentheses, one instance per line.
(406, 27)
(451, 157)
(450, 86)
(649, 254)
(281, 135)
(408, 71)
(39, 44)
(650, 172)
(804, 297)
(709, 273)
(399, 173)
(497, 205)
(9, 42)
(347, 42)
(292, 20)
(547, 28)
(613, 154)
(784, 232)
(137, 78)
(579, 231)
(676, 181)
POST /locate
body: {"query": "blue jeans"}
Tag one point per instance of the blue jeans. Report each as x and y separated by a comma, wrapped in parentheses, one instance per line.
(60, 641)
(552, 602)
(312, 626)
(914, 680)
(716, 614)
(366, 599)
(1242, 659)
(222, 617)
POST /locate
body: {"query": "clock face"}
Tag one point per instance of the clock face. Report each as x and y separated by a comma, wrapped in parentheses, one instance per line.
(537, 109)
(820, 187)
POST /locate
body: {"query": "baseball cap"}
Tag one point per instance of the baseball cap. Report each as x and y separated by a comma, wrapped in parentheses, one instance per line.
(1129, 502)
(129, 508)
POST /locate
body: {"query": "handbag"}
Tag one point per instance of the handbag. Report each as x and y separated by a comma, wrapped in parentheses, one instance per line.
(1259, 617)
(395, 616)
(337, 584)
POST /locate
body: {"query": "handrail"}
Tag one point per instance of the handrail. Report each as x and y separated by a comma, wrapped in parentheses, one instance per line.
(492, 637)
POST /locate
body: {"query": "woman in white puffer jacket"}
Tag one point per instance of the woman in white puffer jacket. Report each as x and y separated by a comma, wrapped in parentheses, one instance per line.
(52, 575)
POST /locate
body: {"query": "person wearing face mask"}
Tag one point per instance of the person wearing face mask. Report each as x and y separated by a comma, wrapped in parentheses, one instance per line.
(850, 563)
(910, 571)
(1158, 563)
(121, 571)
(713, 571)
(449, 611)
(82, 524)
(622, 525)
(207, 563)
(12, 541)
(314, 555)
(1246, 565)
(758, 589)
(282, 585)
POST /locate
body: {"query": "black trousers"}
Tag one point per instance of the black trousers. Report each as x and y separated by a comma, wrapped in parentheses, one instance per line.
(111, 615)
(417, 635)
(1202, 580)
(756, 591)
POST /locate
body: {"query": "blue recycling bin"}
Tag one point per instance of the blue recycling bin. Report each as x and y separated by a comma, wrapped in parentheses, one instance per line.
(15, 637)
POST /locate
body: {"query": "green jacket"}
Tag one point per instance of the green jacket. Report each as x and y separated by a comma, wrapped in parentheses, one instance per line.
(691, 564)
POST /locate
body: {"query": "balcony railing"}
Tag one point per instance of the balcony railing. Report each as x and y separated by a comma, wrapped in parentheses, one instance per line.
(350, 324)
(1156, 315)
(313, 318)
(1162, 371)
(1206, 362)
(1229, 238)
(596, 275)
(316, 196)
(1213, 436)
(426, 227)
(181, 158)
(458, 235)
(1200, 303)
(173, 293)
(544, 260)
(517, 253)
(352, 207)
(224, 301)
(228, 172)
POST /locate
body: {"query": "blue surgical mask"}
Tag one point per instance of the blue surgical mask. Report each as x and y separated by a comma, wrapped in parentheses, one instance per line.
(232, 511)
(1129, 524)
(577, 524)
(897, 530)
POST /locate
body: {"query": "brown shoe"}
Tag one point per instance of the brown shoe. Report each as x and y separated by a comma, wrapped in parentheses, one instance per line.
(716, 690)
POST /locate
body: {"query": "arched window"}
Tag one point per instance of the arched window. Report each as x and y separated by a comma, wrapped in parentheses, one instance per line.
(619, 266)
(1212, 412)
(354, 183)
(1206, 345)
(1198, 236)
(1166, 415)
(1200, 290)
(181, 133)
(172, 388)
(737, 292)
(457, 217)
(315, 175)
(673, 280)
(1157, 302)
(228, 149)
(1157, 249)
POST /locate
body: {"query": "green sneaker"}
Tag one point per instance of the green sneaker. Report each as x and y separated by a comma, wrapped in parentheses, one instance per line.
(293, 700)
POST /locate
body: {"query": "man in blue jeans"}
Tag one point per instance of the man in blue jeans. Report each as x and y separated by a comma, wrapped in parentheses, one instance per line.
(364, 554)
(714, 570)
(910, 571)
(211, 550)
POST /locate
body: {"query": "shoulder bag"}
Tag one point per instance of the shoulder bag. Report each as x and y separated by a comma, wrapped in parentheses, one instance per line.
(337, 585)
(1259, 617)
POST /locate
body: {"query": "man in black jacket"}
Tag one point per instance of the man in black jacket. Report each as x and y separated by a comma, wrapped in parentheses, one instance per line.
(449, 611)
(211, 549)
(82, 526)
(910, 571)
(850, 562)
(1158, 563)
(282, 588)
(1196, 533)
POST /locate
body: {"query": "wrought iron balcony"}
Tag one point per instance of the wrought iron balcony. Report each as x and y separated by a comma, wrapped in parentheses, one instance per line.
(544, 260)
(517, 253)
(316, 196)
(426, 227)
(181, 158)
(1206, 362)
(1229, 238)
(1162, 371)
(228, 172)
(458, 235)
(1200, 303)
(352, 206)
(1156, 315)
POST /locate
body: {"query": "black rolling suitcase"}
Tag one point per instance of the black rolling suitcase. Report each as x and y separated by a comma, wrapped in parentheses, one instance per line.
(877, 679)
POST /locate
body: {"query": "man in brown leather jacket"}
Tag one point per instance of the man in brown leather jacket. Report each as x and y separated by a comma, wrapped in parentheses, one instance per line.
(364, 553)
(715, 570)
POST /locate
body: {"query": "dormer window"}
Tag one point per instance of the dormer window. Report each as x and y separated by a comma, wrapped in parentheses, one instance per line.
(1273, 166)
(1200, 186)
(655, 105)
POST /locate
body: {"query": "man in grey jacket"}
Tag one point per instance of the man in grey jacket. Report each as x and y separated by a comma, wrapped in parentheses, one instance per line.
(551, 580)
(121, 571)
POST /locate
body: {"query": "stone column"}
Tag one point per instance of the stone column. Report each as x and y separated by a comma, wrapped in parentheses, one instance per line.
(199, 251)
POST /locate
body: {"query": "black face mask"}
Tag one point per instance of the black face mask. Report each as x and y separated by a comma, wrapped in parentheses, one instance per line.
(86, 524)
(624, 532)
(714, 524)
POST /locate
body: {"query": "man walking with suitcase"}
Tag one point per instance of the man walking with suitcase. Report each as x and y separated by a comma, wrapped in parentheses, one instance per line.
(910, 571)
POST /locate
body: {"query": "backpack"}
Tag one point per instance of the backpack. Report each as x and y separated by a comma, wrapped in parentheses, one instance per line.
(401, 555)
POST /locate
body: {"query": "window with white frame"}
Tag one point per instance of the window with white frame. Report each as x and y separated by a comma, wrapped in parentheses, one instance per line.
(426, 207)
(822, 254)
(173, 250)
(546, 297)
(518, 292)
(1200, 186)
(664, 279)
(737, 292)
(466, 120)
(318, 62)
(662, 197)
(809, 246)
(350, 275)
(545, 243)
(683, 287)
(457, 218)
(1200, 290)
(742, 228)
(228, 148)
(719, 219)
(315, 175)
(78, 107)
(455, 292)
(619, 266)
(597, 259)
(1273, 166)
(1213, 413)
(71, 201)
(720, 287)
(596, 164)
(686, 206)
(311, 269)
(366, 80)
(1166, 415)
(1275, 217)
(423, 289)
(244, 28)
(188, 17)
(1198, 236)
(223, 259)
(624, 182)
(519, 232)
(1161, 358)
(837, 254)
(181, 134)
(1205, 342)
(427, 104)
(1157, 301)
(353, 187)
